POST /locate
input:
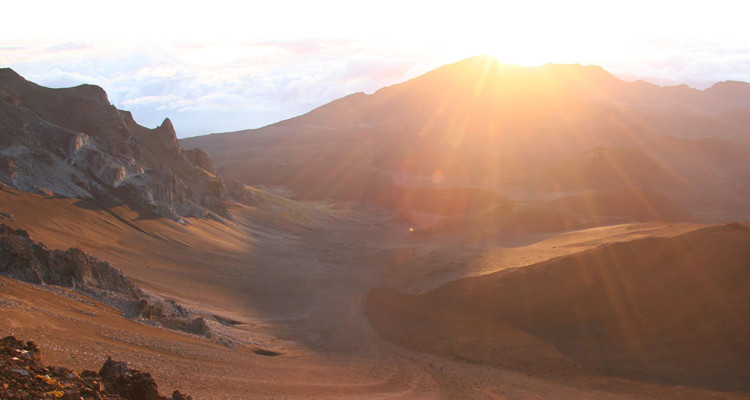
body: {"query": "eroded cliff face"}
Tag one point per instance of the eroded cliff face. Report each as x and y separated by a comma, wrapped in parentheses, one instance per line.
(72, 142)
(26, 260)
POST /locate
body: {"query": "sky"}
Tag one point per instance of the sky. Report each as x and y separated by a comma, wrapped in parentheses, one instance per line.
(219, 66)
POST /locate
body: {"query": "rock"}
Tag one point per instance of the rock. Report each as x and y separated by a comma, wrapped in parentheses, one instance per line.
(201, 159)
(129, 383)
(22, 258)
(72, 142)
(199, 327)
(29, 261)
(143, 386)
(160, 310)
(111, 369)
(28, 378)
(176, 395)
(144, 310)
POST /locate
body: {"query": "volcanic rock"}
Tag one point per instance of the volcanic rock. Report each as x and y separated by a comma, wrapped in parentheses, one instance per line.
(72, 142)
(23, 259)
(26, 260)
(23, 376)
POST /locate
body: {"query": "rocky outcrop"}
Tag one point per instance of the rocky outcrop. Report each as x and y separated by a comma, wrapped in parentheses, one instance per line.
(29, 261)
(172, 315)
(23, 259)
(201, 159)
(72, 142)
(24, 376)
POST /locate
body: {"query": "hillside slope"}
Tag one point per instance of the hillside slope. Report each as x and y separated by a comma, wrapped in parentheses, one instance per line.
(660, 309)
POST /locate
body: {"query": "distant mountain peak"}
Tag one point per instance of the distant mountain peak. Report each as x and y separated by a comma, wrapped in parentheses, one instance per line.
(734, 90)
(739, 85)
(7, 74)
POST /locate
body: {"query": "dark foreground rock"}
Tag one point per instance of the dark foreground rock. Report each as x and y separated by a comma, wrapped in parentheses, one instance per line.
(24, 376)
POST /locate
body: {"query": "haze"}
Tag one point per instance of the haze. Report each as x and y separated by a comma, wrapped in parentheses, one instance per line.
(227, 66)
(480, 230)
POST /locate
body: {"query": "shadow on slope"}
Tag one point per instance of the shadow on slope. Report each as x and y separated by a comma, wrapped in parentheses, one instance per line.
(586, 210)
(660, 309)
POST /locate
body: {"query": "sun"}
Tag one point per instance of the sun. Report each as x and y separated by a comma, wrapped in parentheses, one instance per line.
(535, 34)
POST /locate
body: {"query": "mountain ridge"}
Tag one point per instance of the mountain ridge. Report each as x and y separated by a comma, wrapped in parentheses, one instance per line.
(479, 123)
(593, 76)
(72, 142)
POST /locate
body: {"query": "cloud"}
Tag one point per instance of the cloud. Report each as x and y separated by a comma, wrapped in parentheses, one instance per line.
(69, 46)
(697, 63)
(268, 67)
(156, 102)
